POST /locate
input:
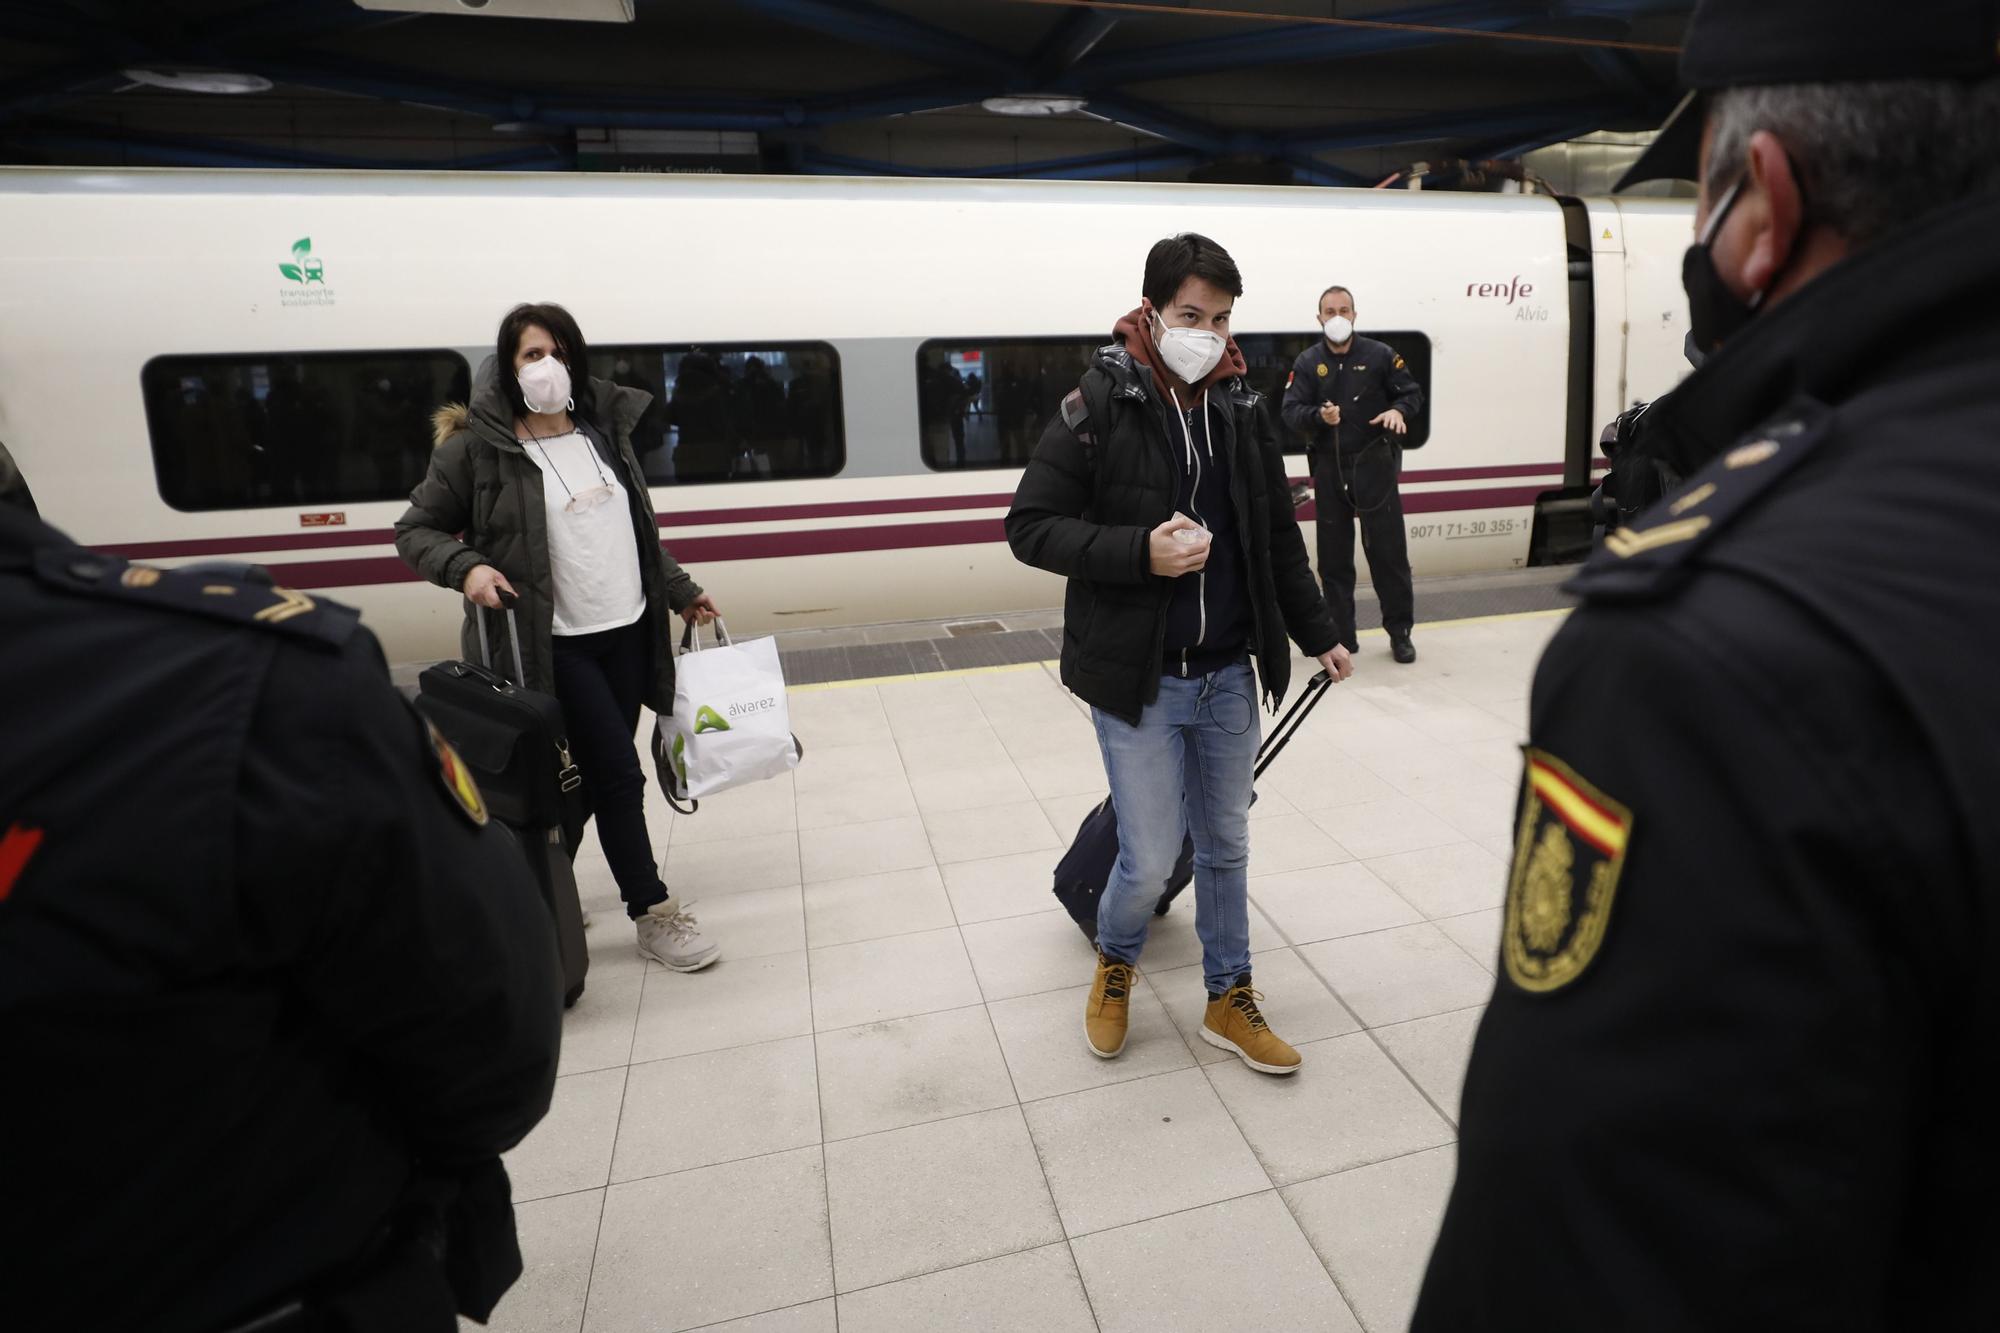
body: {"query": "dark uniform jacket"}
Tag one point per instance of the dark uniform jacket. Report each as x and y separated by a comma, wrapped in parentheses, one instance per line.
(481, 504)
(1087, 513)
(263, 979)
(1365, 381)
(1740, 1068)
(13, 486)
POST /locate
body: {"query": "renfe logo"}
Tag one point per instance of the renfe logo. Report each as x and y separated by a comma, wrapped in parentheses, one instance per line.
(1516, 290)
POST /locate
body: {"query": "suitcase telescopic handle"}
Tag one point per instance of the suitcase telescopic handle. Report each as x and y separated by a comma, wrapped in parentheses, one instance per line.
(508, 598)
(1289, 725)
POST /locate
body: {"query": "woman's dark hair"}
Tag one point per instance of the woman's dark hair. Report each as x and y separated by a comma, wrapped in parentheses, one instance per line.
(1188, 255)
(575, 353)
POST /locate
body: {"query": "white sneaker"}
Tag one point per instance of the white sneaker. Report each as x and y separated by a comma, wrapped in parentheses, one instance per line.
(668, 932)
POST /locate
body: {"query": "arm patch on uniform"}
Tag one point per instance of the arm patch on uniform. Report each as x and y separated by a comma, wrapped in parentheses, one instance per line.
(1569, 851)
(457, 778)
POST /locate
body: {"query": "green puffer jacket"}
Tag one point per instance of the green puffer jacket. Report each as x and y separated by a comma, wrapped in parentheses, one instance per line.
(482, 504)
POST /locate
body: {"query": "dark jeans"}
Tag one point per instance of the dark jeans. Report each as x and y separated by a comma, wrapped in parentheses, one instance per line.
(1370, 494)
(601, 679)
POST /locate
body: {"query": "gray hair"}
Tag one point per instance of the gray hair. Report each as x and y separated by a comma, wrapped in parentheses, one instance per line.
(1873, 157)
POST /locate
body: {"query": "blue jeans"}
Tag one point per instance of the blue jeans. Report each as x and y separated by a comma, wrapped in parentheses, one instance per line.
(1186, 768)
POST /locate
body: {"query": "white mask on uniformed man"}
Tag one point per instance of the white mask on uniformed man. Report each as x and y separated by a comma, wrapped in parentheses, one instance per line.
(1339, 329)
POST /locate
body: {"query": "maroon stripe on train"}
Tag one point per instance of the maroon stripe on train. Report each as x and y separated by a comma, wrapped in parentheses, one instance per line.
(307, 541)
(1441, 502)
(835, 541)
(284, 541)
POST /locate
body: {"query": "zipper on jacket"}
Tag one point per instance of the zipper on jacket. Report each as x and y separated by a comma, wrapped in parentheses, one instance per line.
(1201, 576)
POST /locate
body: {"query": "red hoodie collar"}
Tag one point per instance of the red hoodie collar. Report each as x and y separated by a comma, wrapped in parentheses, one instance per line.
(1136, 332)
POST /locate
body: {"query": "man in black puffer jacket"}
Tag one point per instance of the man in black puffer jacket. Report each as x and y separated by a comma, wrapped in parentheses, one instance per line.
(1161, 494)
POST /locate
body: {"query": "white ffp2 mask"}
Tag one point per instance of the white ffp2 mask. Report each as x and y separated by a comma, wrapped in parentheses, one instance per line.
(1338, 329)
(545, 385)
(1190, 353)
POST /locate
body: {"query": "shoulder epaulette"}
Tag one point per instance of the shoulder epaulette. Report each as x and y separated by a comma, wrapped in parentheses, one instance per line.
(1652, 556)
(217, 596)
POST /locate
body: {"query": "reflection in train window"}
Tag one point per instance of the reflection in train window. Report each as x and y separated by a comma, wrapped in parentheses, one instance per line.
(732, 411)
(247, 430)
(983, 402)
(1271, 355)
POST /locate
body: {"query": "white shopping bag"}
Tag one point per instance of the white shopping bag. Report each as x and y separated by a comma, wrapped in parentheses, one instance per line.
(731, 724)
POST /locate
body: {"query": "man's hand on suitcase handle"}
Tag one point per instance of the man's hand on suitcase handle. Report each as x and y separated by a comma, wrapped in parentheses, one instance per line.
(1337, 663)
(485, 584)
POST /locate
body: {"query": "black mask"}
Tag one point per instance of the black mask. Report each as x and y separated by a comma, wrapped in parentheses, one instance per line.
(1715, 314)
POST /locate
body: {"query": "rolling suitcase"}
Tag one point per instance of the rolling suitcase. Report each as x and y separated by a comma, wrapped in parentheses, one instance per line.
(514, 742)
(1086, 867)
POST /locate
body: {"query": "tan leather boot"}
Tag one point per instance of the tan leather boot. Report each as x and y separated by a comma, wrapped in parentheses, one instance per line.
(1234, 1024)
(1105, 1016)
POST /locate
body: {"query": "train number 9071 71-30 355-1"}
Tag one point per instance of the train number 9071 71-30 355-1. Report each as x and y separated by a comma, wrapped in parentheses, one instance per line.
(1477, 527)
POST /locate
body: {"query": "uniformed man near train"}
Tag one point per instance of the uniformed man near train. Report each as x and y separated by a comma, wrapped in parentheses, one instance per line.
(1740, 1068)
(274, 996)
(1352, 400)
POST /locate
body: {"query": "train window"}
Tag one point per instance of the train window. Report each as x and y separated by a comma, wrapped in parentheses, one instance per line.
(982, 402)
(248, 430)
(1271, 355)
(732, 411)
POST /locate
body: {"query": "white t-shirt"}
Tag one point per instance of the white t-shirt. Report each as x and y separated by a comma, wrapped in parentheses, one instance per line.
(593, 551)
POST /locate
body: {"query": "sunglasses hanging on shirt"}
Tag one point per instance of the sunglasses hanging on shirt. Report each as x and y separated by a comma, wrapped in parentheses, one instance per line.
(590, 497)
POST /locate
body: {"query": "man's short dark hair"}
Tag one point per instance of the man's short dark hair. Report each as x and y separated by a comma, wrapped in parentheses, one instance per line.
(1346, 291)
(1173, 261)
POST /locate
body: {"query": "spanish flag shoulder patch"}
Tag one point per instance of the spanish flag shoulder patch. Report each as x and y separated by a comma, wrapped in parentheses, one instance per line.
(1569, 851)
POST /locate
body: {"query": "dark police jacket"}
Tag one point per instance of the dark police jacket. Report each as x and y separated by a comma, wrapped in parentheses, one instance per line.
(263, 978)
(1740, 1067)
(1087, 513)
(1365, 381)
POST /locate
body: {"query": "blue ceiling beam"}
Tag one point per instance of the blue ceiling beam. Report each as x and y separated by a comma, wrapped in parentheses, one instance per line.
(1297, 43)
(1508, 122)
(386, 86)
(886, 30)
(1162, 123)
(1095, 166)
(276, 22)
(1620, 73)
(1073, 37)
(1310, 172)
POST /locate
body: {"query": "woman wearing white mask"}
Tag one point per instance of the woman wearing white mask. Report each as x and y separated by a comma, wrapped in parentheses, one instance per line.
(539, 476)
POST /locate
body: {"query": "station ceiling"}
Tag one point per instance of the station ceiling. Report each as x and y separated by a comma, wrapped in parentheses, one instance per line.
(1335, 92)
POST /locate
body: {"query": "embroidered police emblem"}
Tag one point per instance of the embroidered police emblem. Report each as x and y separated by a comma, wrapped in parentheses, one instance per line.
(1569, 851)
(1322, 370)
(458, 783)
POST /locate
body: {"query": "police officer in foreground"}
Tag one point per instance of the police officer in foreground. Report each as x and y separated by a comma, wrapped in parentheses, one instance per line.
(1740, 1067)
(1351, 399)
(273, 997)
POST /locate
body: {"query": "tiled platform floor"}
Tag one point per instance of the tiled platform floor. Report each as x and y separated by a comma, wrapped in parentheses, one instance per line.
(877, 1113)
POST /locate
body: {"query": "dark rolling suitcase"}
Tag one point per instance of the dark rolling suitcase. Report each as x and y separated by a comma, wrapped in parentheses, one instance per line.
(1086, 867)
(514, 742)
